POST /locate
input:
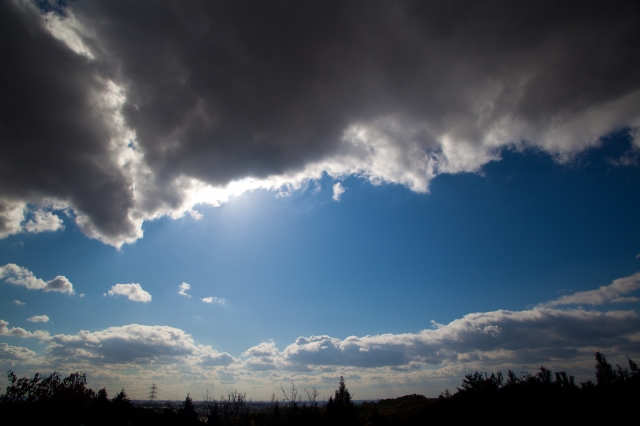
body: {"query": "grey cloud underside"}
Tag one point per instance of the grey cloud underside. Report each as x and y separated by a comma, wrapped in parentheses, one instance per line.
(54, 141)
(133, 345)
(491, 338)
(532, 336)
(494, 337)
(222, 91)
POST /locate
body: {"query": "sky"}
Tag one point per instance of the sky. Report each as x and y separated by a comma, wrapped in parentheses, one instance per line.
(234, 196)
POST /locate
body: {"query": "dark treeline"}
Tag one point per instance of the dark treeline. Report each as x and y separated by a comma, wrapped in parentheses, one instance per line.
(541, 397)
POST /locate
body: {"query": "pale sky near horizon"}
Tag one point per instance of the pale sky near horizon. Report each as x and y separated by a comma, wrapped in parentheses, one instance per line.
(210, 196)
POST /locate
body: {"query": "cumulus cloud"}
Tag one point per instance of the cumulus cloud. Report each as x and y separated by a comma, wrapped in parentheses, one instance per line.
(215, 359)
(212, 299)
(133, 344)
(38, 318)
(612, 293)
(106, 120)
(43, 221)
(19, 303)
(437, 356)
(531, 336)
(21, 332)
(338, 190)
(17, 275)
(11, 215)
(15, 352)
(184, 287)
(132, 291)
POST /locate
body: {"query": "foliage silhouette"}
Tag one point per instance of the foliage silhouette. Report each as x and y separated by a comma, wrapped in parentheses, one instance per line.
(544, 394)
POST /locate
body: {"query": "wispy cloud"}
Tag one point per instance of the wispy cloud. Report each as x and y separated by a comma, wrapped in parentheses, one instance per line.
(19, 303)
(612, 293)
(184, 287)
(17, 275)
(211, 299)
(131, 291)
(338, 190)
(38, 318)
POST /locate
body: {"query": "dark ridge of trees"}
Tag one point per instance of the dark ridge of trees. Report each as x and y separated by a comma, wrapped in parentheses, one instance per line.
(544, 396)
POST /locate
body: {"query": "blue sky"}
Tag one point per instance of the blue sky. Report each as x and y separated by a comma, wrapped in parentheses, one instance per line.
(412, 251)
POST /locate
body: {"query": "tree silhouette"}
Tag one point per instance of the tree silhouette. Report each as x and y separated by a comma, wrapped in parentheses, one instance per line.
(340, 409)
(187, 414)
(605, 376)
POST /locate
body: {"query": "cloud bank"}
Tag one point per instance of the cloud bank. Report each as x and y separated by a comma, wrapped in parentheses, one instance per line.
(17, 275)
(115, 119)
(133, 292)
(440, 355)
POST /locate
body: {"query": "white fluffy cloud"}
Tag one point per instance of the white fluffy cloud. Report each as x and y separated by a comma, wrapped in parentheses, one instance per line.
(21, 332)
(212, 299)
(12, 218)
(38, 318)
(612, 293)
(432, 358)
(15, 352)
(43, 221)
(184, 287)
(338, 190)
(131, 291)
(134, 344)
(537, 335)
(18, 275)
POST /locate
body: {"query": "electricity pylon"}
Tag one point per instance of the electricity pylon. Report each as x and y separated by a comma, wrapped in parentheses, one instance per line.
(152, 392)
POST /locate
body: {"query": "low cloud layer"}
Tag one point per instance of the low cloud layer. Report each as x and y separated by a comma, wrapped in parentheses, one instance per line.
(133, 292)
(17, 275)
(115, 119)
(440, 355)
(525, 337)
(133, 345)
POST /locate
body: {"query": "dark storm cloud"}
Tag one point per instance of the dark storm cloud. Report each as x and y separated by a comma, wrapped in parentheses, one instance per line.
(219, 91)
(55, 141)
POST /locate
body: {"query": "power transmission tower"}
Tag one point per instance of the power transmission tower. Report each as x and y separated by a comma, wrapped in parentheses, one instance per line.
(152, 392)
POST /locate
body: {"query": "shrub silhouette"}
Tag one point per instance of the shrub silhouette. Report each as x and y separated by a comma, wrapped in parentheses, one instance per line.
(50, 399)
